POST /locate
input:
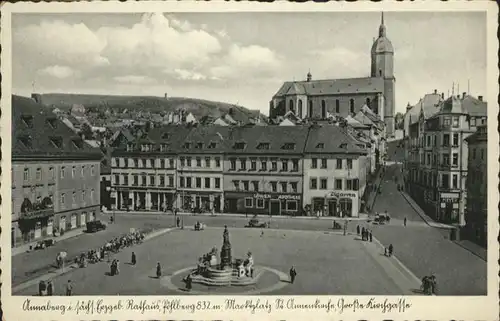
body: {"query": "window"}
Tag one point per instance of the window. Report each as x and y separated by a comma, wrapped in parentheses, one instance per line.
(243, 164)
(73, 172)
(51, 173)
(162, 180)
(428, 159)
(323, 163)
(314, 163)
(181, 181)
(263, 146)
(284, 165)
(188, 161)
(274, 186)
(136, 180)
(313, 184)
(368, 102)
(348, 184)
(171, 162)
(217, 182)
(170, 180)
(198, 146)
(473, 121)
(293, 186)
(310, 114)
(435, 141)
(83, 196)
(445, 181)
(189, 182)
(151, 180)
(455, 181)
(339, 164)
(434, 159)
(63, 199)
(428, 141)
(232, 164)
(236, 185)
(245, 185)
(283, 187)
(288, 146)
(323, 109)
(446, 121)
(162, 163)
(291, 106)
(455, 139)
(323, 183)
(117, 179)
(320, 146)
(239, 145)
(455, 159)
(253, 165)
(337, 106)
(92, 170)
(349, 164)
(26, 174)
(446, 159)
(144, 180)
(482, 154)
(260, 201)
(248, 202)
(198, 161)
(73, 198)
(456, 121)
(141, 163)
(291, 205)
(274, 165)
(300, 109)
(82, 172)
(182, 161)
(446, 140)
(207, 182)
(38, 174)
(125, 179)
(473, 153)
(255, 186)
(212, 145)
(207, 162)
(263, 165)
(351, 106)
(295, 165)
(198, 182)
(338, 184)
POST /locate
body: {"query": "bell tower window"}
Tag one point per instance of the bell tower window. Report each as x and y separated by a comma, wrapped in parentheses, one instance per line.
(310, 108)
(323, 109)
(351, 106)
(300, 109)
(291, 106)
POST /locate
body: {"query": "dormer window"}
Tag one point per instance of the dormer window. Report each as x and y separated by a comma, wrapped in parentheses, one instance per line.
(57, 142)
(146, 147)
(187, 145)
(263, 146)
(165, 136)
(288, 146)
(130, 147)
(239, 145)
(78, 143)
(52, 122)
(26, 140)
(199, 145)
(164, 147)
(27, 120)
(343, 145)
(320, 145)
(212, 145)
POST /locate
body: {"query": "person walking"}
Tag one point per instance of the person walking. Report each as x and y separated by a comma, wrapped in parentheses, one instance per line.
(189, 282)
(363, 231)
(178, 221)
(134, 259)
(158, 270)
(404, 222)
(50, 288)
(371, 236)
(391, 249)
(69, 288)
(293, 274)
(357, 229)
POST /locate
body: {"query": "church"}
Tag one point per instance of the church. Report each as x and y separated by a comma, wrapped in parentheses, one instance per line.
(320, 99)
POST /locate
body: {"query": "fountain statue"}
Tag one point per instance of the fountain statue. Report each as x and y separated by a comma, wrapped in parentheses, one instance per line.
(225, 253)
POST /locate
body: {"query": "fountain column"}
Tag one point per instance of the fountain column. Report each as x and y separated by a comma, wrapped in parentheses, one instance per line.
(225, 253)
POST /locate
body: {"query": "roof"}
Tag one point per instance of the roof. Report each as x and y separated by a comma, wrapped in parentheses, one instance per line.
(123, 131)
(481, 135)
(467, 105)
(474, 106)
(331, 139)
(332, 87)
(354, 122)
(428, 104)
(37, 132)
(205, 139)
(382, 45)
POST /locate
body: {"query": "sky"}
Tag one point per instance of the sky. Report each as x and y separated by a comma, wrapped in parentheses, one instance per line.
(242, 58)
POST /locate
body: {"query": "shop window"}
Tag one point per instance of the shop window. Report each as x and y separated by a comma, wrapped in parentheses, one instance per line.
(248, 202)
(337, 106)
(259, 203)
(291, 205)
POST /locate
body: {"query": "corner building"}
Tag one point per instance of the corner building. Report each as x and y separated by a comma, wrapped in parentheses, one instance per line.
(55, 175)
(317, 99)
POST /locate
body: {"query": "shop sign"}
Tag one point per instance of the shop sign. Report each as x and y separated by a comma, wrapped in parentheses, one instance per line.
(449, 197)
(289, 197)
(262, 196)
(279, 197)
(342, 194)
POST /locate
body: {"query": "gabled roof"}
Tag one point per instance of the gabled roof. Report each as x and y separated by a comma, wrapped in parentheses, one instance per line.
(37, 132)
(205, 139)
(467, 105)
(334, 139)
(428, 105)
(474, 106)
(354, 122)
(332, 87)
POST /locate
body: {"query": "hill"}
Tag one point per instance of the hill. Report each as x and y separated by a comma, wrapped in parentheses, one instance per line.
(198, 107)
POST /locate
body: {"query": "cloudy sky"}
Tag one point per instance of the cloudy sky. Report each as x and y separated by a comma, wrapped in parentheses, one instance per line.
(241, 57)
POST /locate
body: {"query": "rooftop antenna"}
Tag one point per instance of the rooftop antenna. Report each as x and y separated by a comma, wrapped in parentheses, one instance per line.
(468, 86)
(453, 89)
(458, 88)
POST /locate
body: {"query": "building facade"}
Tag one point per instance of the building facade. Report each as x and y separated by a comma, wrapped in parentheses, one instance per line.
(316, 99)
(55, 175)
(476, 214)
(263, 170)
(436, 163)
(336, 168)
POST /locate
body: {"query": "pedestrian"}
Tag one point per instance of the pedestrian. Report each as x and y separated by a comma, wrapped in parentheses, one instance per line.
(357, 229)
(363, 233)
(251, 272)
(293, 274)
(391, 249)
(69, 288)
(371, 236)
(189, 282)
(134, 259)
(158, 270)
(42, 287)
(178, 221)
(261, 233)
(50, 288)
(404, 221)
(385, 251)
(117, 266)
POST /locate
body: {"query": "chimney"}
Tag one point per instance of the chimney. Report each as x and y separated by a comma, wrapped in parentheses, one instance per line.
(480, 98)
(463, 95)
(435, 91)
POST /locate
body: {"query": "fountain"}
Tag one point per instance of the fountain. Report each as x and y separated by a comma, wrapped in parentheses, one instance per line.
(228, 272)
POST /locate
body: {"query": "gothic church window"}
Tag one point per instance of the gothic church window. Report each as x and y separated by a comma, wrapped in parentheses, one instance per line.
(300, 108)
(291, 106)
(351, 106)
(337, 106)
(310, 108)
(323, 109)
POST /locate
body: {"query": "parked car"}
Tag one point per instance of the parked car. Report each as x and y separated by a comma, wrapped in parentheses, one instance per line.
(254, 222)
(95, 226)
(44, 244)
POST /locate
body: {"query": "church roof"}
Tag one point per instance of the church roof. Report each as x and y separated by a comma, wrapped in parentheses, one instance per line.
(382, 44)
(331, 87)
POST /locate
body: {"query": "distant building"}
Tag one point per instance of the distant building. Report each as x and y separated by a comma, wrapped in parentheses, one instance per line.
(315, 99)
(476, 214)
(55, 175)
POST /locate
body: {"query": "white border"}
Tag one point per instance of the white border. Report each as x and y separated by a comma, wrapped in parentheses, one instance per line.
(422, 307)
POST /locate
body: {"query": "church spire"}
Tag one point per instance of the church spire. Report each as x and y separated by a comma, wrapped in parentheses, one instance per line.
(381, 29)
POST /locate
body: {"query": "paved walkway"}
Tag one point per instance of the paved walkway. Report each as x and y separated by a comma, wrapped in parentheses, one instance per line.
(26, 247)
(71, 267)
(422, 214)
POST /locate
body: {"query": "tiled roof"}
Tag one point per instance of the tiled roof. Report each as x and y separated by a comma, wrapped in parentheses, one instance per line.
(331, 139)
(332, 86)
(429, 105)
(37, 132)
(354, 122)
(463, 105)
(481, 135)
(205, 139)
(474, 106)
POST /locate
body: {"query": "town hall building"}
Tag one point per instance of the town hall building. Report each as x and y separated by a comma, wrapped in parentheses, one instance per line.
(320, 99)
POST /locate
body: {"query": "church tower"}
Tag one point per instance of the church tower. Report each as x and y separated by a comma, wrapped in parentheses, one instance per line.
(382, 66)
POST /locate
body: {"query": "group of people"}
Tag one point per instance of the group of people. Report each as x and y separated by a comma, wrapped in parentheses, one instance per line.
(429, 285)
(115, 267)
(365, 233)
(46, 288)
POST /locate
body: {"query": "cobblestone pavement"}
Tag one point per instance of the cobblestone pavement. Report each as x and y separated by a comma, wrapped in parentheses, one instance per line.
(424, 249)
(327, 263)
